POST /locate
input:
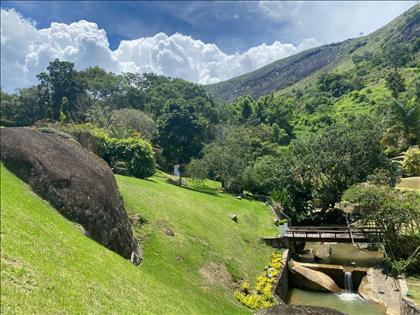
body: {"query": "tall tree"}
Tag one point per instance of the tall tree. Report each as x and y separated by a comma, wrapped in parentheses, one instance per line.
(397, 55)
(180, 134)
(405, 118)
(395, 83)
(338, 157)
(61, 81)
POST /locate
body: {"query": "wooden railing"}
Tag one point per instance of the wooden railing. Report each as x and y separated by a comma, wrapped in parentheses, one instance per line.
(331, 232)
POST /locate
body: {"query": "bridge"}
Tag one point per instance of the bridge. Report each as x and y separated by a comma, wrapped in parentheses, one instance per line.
(337, 233)
(342, 234)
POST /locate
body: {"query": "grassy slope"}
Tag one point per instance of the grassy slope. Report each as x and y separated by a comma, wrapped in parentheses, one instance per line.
(413, 283)
(410, 183)
(48, 266)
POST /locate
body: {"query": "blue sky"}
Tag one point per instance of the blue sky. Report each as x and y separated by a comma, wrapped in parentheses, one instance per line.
(233, 25)
(213, 41)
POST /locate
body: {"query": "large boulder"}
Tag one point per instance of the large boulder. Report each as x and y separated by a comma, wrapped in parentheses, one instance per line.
(284, 309)
(76, 182)
(306, 278)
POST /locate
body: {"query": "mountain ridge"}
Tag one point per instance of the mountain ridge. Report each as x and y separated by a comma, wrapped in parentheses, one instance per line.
(304, 64)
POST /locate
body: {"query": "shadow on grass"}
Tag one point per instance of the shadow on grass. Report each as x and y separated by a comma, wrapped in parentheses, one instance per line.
(204, 190)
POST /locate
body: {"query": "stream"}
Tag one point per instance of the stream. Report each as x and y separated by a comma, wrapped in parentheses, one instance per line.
(344, 255)
(349, 302)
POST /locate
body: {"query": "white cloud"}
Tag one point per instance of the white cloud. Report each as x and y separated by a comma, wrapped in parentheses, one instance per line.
(27, 50)
(333, 20)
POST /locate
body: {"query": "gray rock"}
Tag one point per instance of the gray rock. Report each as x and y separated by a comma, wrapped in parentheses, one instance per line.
(77, 183)
(309, 279)
(324, 251)
(168, 231)
(284, 309)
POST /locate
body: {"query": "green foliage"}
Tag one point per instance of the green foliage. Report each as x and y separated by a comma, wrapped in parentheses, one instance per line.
(397, 55)
(134, 119)
(180, 134)
(395, 213)
(232, 151)
(262, 295)
(338, 157)
(403, 122)
(336, 84)
(135, 152)
(388, 175)
(60, 81)
(411, 162)
(395, 83)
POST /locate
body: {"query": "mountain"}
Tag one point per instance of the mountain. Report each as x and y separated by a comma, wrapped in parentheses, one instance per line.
(310, 63)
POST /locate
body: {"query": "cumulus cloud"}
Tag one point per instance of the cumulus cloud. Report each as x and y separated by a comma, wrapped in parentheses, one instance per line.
(26, 51)
(333, 20)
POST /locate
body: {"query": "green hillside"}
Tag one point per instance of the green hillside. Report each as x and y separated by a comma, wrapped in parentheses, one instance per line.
(49, 266)
(301, 70)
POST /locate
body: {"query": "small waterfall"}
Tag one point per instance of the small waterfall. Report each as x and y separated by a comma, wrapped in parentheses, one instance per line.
(348, 282)
(348, 294)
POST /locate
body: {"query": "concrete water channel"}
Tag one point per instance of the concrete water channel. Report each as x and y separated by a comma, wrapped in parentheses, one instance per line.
(347, 265)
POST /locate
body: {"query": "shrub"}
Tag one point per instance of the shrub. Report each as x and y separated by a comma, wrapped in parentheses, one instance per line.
(136, 153)
(261, 296)
(411, 162)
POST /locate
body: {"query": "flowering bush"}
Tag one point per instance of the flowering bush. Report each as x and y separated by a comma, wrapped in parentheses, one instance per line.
(261, 296)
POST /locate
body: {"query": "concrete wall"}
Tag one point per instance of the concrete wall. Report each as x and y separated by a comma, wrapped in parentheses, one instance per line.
(281, 288)
(336, 272)
(407, 307)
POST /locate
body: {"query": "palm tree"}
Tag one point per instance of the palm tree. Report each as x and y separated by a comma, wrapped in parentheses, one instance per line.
(405, 118)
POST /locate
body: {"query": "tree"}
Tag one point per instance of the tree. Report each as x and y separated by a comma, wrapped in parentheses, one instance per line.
(134, 119)
(61, 81)
(340, 156)
(7, 108)
(397, 55)
(180, 134)
(98, 83)
(395, 83)
(335, 83)
(246, 106)
(411, 163)
(395, 213)
(233, 150)
(404, 118)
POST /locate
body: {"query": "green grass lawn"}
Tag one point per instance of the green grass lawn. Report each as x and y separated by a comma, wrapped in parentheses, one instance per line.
(413, 283)
(409, 183)
(49, 267)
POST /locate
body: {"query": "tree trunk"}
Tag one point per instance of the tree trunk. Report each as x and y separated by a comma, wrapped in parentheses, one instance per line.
(180, 178)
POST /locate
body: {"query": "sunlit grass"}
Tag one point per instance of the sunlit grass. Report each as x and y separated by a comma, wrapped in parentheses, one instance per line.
(49, 267)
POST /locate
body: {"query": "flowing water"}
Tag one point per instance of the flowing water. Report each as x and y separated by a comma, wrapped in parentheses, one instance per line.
(349, 301)
(344, 255)
(348, 282)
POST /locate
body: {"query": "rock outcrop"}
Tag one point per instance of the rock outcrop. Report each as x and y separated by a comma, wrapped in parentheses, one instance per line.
(306, 278)
(324, 251)
(77, 183)
(284, 309)
(364, 288)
